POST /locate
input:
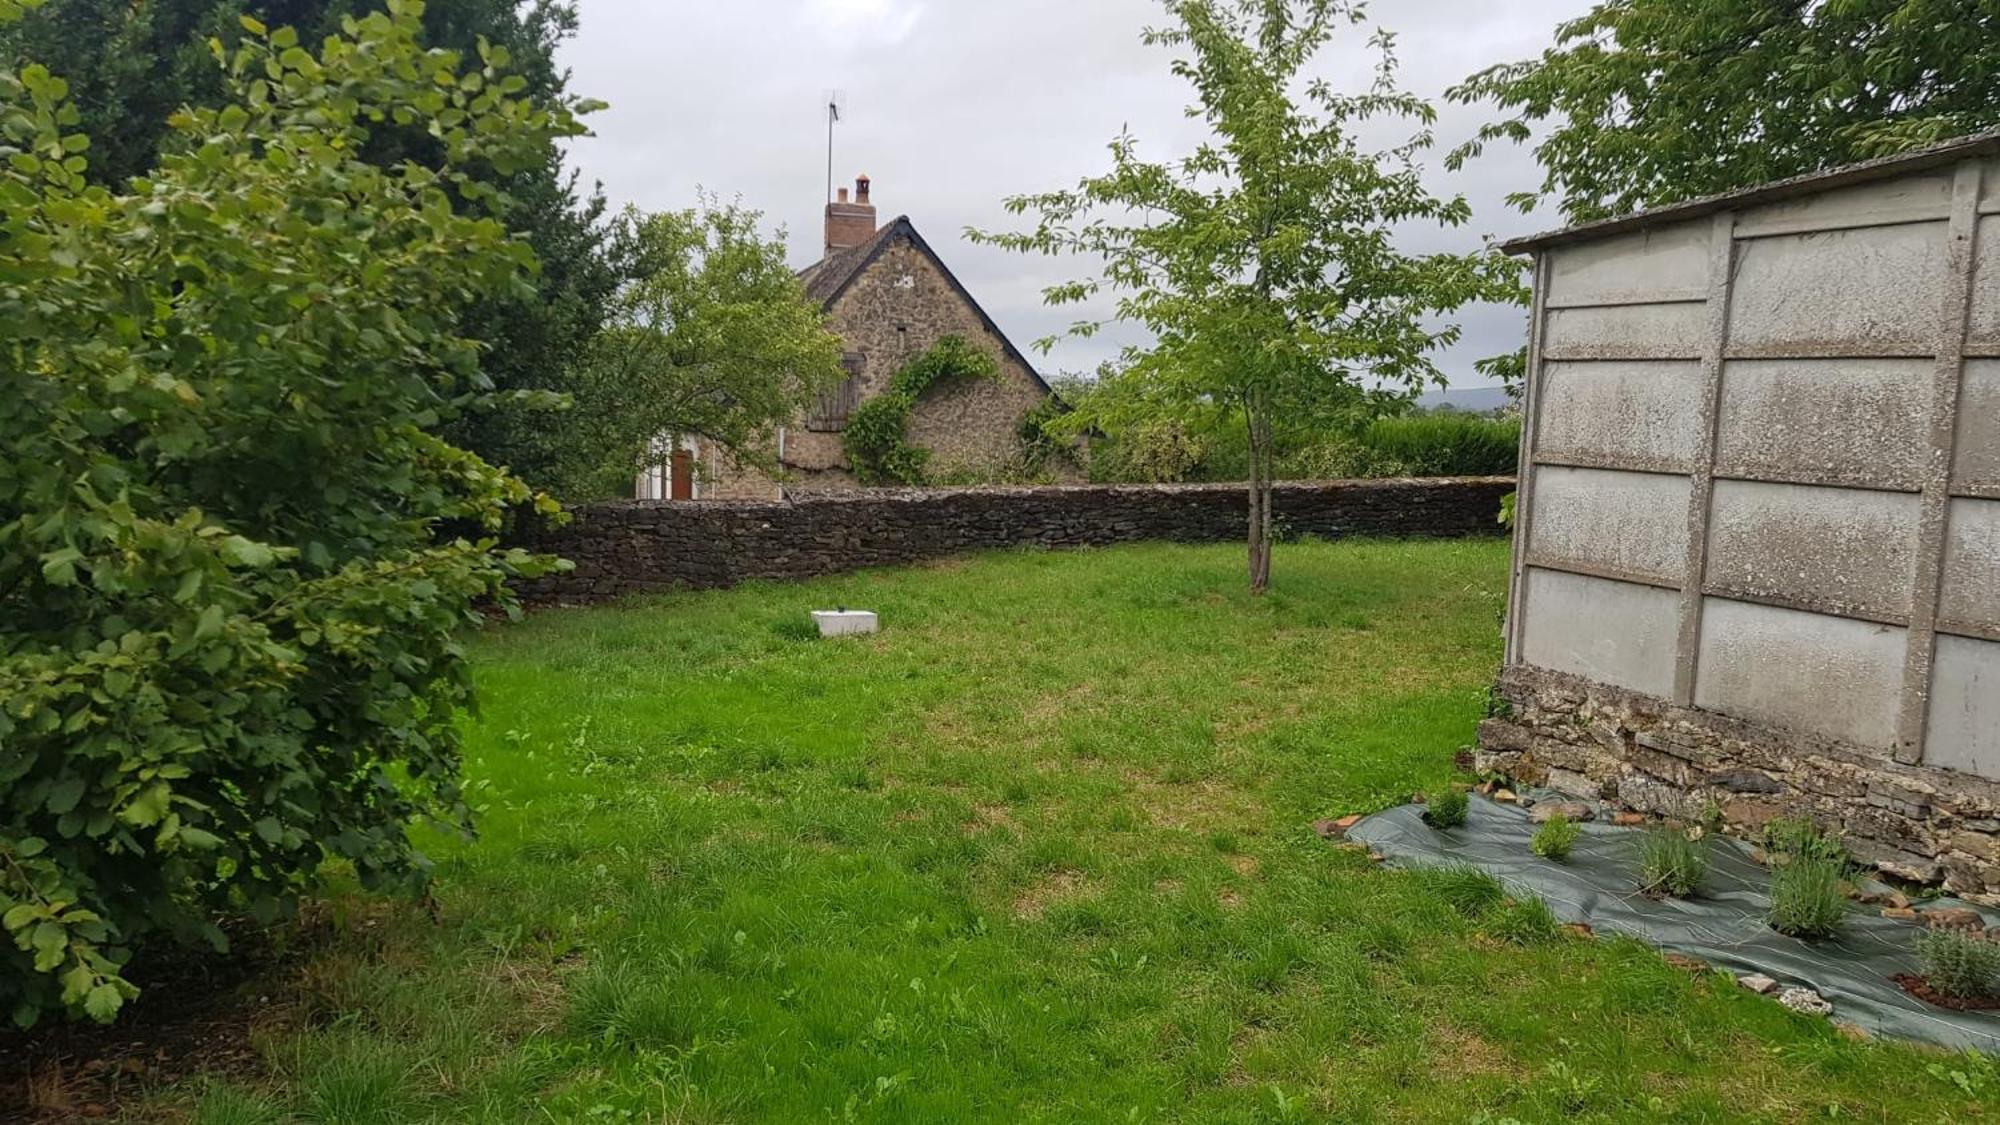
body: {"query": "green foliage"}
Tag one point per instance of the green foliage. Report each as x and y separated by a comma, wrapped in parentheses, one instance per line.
(232, 575)
(1646, 102)
(1556, 836)
(1339, 457)
(1263, 265)
(1018, 469)
(1042, 446)
(1430, 444)
(1524, 921)
(876, 441)
(1444, 443)
(1672, 860)
(1153, 447)
(1808, 898)
(1447, 808)
(1466, 888)
(713, 337)
(1151, 451)
(1786, 839)
(1959, 963)
(131, 65)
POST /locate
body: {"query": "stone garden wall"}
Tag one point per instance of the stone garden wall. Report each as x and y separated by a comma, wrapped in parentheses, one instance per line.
(1594, 741)
(635, 547)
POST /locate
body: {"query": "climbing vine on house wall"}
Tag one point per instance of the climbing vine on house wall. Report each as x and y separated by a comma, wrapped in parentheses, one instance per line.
(876, 438)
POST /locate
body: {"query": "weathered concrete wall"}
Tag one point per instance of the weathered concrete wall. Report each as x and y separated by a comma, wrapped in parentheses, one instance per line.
(641, 546)
(1761, 484)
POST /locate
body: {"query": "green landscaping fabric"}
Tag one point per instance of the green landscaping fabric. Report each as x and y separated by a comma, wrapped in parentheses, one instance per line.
(1724, 926)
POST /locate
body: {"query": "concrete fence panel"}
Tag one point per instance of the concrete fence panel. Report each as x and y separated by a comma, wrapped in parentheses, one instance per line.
(1834, 421)
(1642, 414)
(1758, 553)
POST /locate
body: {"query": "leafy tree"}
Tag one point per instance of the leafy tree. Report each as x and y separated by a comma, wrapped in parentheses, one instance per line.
(713, 337)
(132, 63)
(1648, 102)
(1263, 265)
(230, 592)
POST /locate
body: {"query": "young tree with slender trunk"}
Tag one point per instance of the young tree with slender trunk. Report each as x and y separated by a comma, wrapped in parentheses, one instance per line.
(1264, 265)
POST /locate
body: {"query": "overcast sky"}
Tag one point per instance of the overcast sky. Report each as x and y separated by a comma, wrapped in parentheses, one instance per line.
(952, 105)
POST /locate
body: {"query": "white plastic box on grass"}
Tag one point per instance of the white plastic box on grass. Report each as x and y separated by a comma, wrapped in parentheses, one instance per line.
(843, 622)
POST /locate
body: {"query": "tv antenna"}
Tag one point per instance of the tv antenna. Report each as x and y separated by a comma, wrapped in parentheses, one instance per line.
(833, 100)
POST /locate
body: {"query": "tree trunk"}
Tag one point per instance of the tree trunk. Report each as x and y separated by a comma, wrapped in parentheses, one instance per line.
(1257, 417)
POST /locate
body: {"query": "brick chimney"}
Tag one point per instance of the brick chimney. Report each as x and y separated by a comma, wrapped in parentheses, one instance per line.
(850, 224)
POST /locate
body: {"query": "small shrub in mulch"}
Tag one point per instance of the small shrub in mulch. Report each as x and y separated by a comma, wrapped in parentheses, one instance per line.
(1961, 970)
(1786, 839)
(1672, 861)
(1808, 899)
(1447, 809)
(1554, 839)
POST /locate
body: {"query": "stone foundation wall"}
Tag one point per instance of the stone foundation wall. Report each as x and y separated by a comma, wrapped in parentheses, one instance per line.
(641, 546)
(1921, 823)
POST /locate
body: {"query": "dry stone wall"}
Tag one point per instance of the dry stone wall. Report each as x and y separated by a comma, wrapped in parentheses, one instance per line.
(1594, 741)
(637, 547)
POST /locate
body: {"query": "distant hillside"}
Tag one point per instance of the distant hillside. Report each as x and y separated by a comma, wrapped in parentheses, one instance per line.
(1476, 400)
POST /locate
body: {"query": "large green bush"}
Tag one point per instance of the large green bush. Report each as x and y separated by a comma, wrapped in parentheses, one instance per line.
(234, 556)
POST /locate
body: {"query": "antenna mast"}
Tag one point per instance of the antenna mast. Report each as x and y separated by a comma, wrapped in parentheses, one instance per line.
(832, 116)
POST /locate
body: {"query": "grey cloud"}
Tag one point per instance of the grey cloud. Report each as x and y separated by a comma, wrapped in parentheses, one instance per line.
(952, 105)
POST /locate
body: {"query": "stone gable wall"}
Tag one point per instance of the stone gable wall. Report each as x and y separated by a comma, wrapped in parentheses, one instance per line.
(899, 307)
(633, 547)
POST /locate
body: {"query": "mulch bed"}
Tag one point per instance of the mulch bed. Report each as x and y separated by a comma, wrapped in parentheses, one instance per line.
(1921, 989)
(194, 1015)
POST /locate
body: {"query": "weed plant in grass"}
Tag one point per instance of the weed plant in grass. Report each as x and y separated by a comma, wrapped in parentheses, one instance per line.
(1447, 809)
(1672, 860)
(987, 866)
(1525, 921)
(1959, 964)
(1463, 887)
(1554, 839)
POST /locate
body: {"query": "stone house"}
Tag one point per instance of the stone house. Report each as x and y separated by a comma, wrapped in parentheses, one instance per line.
(889, 297)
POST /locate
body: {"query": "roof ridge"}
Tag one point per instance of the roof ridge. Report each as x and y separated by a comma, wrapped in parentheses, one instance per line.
(827, 284)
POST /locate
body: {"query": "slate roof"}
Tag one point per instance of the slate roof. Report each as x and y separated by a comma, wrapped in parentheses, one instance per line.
(1882, 168)
(827, 279)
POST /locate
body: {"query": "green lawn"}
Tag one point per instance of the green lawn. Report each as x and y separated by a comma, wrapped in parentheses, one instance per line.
(1040, 851)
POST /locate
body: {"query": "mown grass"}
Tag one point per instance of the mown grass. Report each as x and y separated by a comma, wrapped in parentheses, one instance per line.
(1040, 851)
